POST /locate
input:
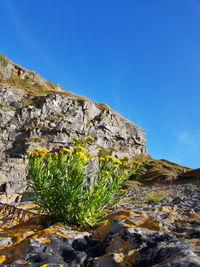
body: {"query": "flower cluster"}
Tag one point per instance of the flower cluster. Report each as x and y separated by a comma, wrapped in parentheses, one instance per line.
(60, 182)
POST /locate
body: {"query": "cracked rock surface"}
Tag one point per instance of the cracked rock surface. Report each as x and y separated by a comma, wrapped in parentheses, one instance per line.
(52, 122)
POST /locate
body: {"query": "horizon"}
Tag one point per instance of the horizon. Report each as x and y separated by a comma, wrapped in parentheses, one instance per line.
(142, 59)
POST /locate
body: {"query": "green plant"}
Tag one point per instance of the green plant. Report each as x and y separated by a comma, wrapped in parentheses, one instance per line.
(154, 197)
(60, 183)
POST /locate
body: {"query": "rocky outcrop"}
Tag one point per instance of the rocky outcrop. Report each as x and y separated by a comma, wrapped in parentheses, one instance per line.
(13, 75)
(51, 122)
(36, 112)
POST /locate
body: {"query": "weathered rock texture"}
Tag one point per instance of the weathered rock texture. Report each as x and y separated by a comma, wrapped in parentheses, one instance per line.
(51, 122)
(136, 234)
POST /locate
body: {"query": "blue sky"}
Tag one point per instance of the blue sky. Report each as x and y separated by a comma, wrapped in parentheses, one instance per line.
(141, 57)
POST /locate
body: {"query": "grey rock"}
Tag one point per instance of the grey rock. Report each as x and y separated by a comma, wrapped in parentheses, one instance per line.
(52, 122)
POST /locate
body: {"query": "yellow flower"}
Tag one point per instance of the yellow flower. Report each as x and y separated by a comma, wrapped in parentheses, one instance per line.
(82, 156)
(89, 138)
(49, 154)
(112, 159)
(101, 159)
(76, 139)
(109, 158)
(62, 150)
(115, 166)
(118, 161)
(41, 153)
(39, 149)
(79, 148)
(30, 153)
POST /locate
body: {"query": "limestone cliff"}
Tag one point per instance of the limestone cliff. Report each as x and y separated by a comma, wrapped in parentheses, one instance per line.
(34, 112)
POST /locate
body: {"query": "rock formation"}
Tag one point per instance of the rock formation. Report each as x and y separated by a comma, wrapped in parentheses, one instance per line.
(50, 117)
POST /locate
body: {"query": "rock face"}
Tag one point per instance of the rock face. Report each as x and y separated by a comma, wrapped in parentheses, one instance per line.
(51, 121)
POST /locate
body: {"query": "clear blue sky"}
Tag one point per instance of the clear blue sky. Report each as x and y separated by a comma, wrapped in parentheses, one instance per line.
(141, 57)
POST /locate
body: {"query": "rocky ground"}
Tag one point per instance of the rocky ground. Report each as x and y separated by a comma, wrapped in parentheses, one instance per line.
(154, 225)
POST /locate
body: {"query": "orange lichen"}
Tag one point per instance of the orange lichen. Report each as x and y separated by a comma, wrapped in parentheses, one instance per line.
(21, 262)
(15, 252)
(150, 224)
(101, 231)
(129, 260)
(63, 235)
(44, 232)
(197, 259)
(118, 215)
